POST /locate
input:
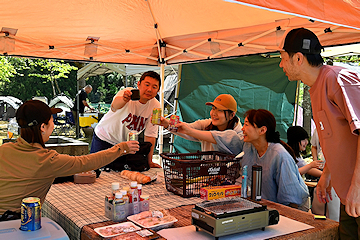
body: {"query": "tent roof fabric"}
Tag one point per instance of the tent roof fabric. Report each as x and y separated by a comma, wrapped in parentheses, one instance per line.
(61, 98)
(154, 32)
(13, 101)
(338, 51)
(321, 10)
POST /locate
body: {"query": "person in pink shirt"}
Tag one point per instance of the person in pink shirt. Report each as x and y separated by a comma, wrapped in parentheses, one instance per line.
(334, 93)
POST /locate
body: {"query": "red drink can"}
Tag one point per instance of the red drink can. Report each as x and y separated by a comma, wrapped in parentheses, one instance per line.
(174, 119)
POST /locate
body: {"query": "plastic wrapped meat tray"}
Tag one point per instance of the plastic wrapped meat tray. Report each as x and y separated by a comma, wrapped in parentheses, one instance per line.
(154, 220)
(116, 229)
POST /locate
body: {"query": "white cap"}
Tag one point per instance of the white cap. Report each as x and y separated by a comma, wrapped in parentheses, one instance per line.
(118, 195)
(115, 185)
(139, 186)
(145, 197)
(133, 184)
(123, 192)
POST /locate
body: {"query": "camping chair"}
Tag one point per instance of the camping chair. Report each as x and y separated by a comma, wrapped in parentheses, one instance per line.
(70, 118)
(59, 124)
(69, 123)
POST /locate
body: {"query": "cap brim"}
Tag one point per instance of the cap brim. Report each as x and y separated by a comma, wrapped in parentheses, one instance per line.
(55, 110)
(218, 106)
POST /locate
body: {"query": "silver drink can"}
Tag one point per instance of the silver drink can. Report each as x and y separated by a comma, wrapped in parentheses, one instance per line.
(132, 136)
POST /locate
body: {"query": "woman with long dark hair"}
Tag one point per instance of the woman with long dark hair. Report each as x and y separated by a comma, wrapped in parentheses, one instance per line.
(298, 139)
(27, 168)
(222, 117)
(261, 144)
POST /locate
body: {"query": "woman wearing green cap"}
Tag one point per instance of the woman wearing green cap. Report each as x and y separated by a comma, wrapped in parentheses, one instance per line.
(222, 117)
(27, 168)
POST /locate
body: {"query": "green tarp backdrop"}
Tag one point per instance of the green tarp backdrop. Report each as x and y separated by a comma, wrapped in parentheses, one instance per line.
(254, 81)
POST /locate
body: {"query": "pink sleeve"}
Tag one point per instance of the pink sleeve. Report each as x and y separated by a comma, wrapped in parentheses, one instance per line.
(349, 103)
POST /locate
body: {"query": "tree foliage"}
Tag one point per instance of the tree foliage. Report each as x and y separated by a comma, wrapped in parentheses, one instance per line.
(106, 86)
(7, 70)
(26, 78)
(51, 72)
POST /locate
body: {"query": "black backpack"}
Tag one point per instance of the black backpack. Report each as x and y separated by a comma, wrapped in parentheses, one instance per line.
(133, 162)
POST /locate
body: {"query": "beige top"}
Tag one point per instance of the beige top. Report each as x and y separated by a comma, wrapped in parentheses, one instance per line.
(28, 170)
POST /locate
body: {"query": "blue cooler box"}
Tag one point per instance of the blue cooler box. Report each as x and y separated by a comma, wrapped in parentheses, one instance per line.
(49, 230)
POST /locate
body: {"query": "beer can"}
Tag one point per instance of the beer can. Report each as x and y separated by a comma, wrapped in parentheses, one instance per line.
(132, 136)
(30, 214)
(156, 116)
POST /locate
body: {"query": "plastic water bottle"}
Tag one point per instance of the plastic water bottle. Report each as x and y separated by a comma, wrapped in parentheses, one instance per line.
(115, 188)
(322, 159)
(244, 182)
(139, 188)
(135, 197)
(13, 128)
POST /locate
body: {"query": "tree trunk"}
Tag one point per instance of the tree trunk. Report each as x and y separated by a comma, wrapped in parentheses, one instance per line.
(307, 114)
(57, 86)
(53, 87)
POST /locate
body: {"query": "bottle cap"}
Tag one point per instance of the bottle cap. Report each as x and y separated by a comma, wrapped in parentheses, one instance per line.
(145, 197)
(133, 184)
(123, 192)
(139, 186)
(115, 185)
(118, 195)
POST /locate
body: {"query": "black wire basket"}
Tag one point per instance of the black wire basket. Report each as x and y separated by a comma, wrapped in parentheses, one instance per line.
(186, 173)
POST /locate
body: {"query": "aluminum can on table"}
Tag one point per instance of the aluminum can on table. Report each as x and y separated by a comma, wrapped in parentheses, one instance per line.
(156, 116)
(30, 214)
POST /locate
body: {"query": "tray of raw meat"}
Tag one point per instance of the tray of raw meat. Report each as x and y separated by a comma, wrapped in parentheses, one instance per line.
(154, 220)
(116, 229)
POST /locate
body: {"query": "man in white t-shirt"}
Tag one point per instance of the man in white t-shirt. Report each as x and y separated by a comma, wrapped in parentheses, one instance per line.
(128, 115)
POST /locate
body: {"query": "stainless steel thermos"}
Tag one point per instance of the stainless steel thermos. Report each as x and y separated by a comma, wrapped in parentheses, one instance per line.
(256, 182)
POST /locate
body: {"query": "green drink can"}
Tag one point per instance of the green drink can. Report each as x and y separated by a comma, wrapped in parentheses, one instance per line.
(156, 115)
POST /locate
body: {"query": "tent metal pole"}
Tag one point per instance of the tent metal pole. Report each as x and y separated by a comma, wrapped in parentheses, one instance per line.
(177, 90)
(297, 102)
(126, 79)
(162, 76)
(77, 125)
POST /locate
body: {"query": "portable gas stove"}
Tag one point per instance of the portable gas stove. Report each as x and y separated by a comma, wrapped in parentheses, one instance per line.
(231, 215)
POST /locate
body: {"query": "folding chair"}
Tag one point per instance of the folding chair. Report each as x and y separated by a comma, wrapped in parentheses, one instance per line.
(70, 118)
(69, 123)
(59, 124)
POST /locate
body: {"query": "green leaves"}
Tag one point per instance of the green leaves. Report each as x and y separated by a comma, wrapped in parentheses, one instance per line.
(25, 78)
(7, 70)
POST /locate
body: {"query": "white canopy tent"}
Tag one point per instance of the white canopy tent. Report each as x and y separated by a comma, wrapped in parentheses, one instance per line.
(338, 51)
(94, 69)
